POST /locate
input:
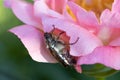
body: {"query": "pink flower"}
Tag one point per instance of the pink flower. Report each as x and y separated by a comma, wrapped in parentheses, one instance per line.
(107, 30)
(98, 43)
(31, 33)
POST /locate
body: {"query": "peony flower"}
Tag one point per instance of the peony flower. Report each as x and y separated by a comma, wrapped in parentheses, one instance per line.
(98, 39)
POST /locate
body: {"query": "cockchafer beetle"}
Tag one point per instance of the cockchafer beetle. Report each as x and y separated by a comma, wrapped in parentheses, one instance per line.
(58, 48)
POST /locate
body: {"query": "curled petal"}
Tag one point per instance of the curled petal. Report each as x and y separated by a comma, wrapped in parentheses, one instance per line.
(87, 41)
(8, 3)
(57, 5)
(109, 56)
(34, 42)
(24, 11)
(116, 6)
(110, 28)
(115, 42)
(67, 15)
(85, 19)
(42, 9)
(78, 68)
(110, 19)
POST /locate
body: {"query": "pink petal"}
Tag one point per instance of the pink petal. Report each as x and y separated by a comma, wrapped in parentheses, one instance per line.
(78, 68)
(110, 28)
(87, 41)
(115, 42)
(34, 42)
(116, 6)
(110, 19)
(41, 9)
(24, 11)
(35, 0)
(109, 56)
(67, 15)
(85, 19)
(57, 5)
(8, 3)
(108, 34)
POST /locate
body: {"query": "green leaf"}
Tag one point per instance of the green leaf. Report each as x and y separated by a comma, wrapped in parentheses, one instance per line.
(98, 70)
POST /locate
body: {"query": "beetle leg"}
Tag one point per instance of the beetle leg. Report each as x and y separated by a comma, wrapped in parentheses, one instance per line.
(73, 42)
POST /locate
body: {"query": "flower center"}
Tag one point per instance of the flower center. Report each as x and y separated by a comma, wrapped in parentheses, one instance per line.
(104, 35)
(96, 6)
(70, 12)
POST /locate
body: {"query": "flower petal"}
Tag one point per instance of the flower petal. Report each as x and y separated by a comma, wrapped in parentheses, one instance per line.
(57, 5)
(34, 42)
(116, 6)
(109, 56)
(8, 3)
(41, 9)
(78, 68)
(110, 19)
(110, 28)
(24, 11)
(108, 34)
(85, 19)
(115, 42)
(87, 41)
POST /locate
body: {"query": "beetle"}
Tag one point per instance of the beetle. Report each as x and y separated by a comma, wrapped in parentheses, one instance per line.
(59, 49)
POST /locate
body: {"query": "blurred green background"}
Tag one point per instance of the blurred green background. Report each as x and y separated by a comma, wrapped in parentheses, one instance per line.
(16, 64)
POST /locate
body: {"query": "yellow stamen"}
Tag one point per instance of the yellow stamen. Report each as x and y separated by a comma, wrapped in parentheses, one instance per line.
(70, 12)
(95, 5)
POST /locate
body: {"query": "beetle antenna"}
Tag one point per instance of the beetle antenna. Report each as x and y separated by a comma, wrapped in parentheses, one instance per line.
(53, 29)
